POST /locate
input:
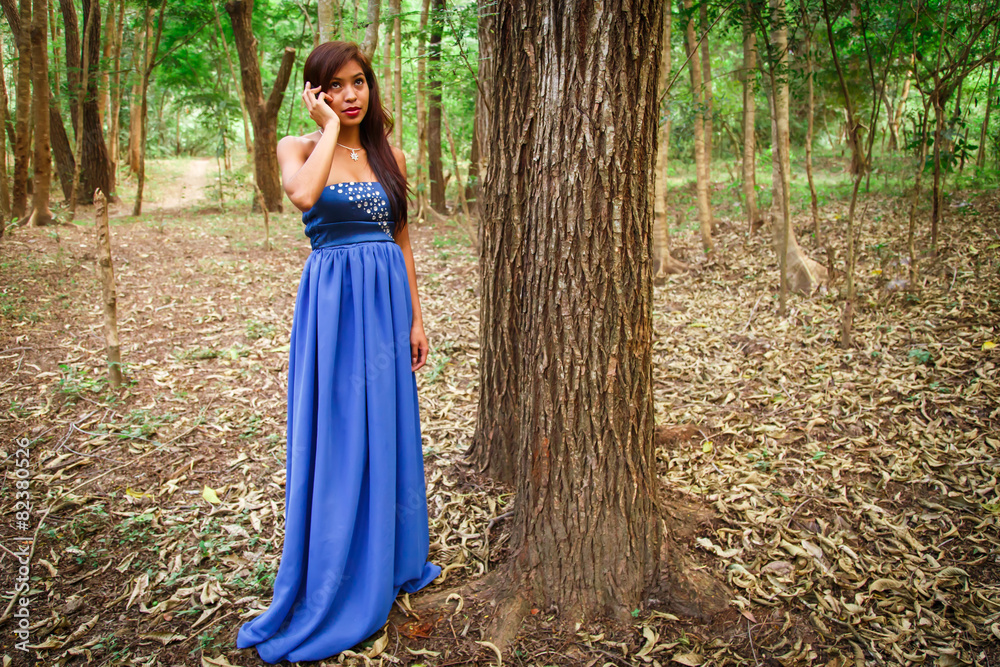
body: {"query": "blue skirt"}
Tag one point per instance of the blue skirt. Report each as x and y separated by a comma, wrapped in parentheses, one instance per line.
(356, 525)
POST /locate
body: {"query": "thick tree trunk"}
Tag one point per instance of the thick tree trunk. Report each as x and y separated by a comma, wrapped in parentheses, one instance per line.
(586, 532)
(95, 166)
(22, 147)
(421, 179)
(700, 157)
(749, 120)
(663, 263)
(263, 112)
(370, 42)
(41, 215)
(435, 170)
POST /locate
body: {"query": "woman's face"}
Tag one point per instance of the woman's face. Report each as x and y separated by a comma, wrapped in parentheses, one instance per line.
(349, 92)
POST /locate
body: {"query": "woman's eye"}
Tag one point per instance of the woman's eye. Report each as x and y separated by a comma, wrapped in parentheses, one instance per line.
(360, 82)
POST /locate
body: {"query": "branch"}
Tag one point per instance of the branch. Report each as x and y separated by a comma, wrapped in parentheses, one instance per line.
(280, 81)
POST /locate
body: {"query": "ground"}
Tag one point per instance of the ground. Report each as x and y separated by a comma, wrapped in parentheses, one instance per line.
(848, 498)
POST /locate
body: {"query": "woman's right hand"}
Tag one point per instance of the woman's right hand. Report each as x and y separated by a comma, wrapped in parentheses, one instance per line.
(319, 110)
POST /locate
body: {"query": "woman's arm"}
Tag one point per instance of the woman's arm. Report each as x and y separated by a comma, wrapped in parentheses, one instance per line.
(304, 176)
(418, 339)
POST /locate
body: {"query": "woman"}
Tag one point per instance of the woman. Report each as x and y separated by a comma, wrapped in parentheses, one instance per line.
(356, 528)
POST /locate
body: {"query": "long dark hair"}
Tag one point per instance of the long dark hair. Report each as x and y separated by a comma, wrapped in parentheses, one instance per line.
(323, 62)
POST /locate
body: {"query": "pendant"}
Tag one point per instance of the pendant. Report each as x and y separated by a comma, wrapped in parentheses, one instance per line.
(354, 155)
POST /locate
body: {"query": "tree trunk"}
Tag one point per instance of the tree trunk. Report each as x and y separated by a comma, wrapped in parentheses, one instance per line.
(247, 139)
(41, 215)
(22, 147)
(706, 67)
(802, 274)
(749, 120)
(386, 83)
(492, 448)
(897, 115)
(983, 132)
(103, 87)
(397, 72)
(421, 178)
(95, 166)
(810, 115)
(700, 157)
(585, 532)
(663, 263)
(435, 170)
(140, 45)
(4, 125)
(263, 112)
(328, 13)
(370, 42)
(152, 46)
(114, 153)
(936, 194)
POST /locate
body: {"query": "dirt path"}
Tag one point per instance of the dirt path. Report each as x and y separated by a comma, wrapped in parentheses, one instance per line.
(186, 190)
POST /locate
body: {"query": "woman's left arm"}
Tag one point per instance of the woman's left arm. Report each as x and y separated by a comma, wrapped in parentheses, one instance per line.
(418, 339)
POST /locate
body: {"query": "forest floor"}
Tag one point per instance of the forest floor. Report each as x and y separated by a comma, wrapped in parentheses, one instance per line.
(848, 497)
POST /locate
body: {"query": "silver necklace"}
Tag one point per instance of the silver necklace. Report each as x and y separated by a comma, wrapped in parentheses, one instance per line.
(354, 151)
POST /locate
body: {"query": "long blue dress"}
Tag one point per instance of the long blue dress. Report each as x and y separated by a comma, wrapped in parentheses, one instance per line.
(356, 525)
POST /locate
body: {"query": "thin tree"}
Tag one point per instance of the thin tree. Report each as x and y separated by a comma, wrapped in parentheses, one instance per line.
(700, 158)
(663, 262)
(397, 72)
(435, 170)
(749, 77)
(148, 62)
(114, 147)
(4, 125)
(706, 77)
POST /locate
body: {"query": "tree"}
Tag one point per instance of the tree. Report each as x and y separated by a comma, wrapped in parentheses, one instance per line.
(663, 262)
(749, 110)
(22, 145)
(435, 170)
(370, 42)
(263, 112)
(700, 157)
(94, 163)
(328, 15)
(148, 63)
(575, 359)
(40, 215)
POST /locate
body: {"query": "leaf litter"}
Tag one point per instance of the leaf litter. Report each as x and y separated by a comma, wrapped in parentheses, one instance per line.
(852, 494)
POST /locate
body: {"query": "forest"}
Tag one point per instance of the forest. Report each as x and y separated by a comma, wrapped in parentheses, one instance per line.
(712, 290)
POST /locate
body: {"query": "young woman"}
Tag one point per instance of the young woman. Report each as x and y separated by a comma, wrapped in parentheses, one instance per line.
(356, 526)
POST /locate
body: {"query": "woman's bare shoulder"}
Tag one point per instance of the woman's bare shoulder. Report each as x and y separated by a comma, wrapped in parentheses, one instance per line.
(294, 145)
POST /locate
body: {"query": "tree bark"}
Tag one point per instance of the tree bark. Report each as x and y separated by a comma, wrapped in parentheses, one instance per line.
(247, 139)
(22, 147)
(4, 126)
(386, 84)
(810, 115)
(140, 46)
(706, 68)
(801, 273)
(148, 62)
(114, 126)
(103, 87)
(370, 42)
(700, 157)
(41, 215)
(585, 532)
(663, 262)
(328, 13)
(435, 170)
(263, 112)
(749, 120)
(897, 115)
(397, 73)
(421, 178)
(95, 166)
